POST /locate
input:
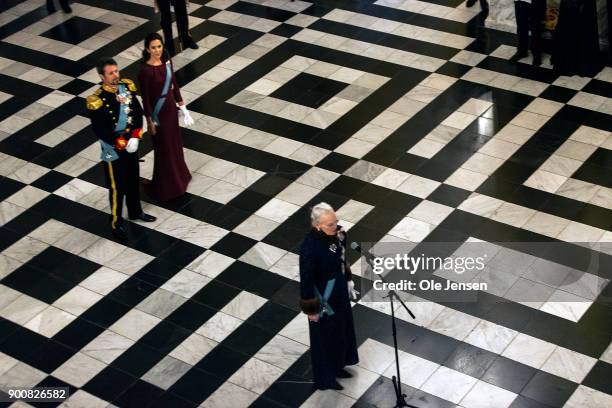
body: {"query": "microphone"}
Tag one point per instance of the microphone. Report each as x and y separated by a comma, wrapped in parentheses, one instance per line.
(366, 254)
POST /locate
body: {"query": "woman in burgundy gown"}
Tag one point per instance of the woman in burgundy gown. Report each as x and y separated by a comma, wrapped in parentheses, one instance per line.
(170, 173)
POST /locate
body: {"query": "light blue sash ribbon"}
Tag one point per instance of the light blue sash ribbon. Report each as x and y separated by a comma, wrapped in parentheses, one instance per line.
(325, 307)
(122, 122)
(108, 153)
(162, 98)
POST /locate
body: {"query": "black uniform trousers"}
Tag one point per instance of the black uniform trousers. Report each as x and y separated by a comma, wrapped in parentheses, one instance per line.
(180, 11)
(529, 18)
(122, 179)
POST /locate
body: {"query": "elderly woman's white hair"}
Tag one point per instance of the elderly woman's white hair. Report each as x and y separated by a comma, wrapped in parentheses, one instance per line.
(318, 210)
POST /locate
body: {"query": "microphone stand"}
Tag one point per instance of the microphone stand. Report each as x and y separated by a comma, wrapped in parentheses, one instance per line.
(400, 397)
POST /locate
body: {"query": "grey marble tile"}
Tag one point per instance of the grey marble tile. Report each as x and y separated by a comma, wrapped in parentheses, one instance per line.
(166, 372)
(161, 303)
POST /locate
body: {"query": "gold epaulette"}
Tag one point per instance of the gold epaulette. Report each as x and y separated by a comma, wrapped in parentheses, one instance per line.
(94, 102)
(130, 84)
(98, 91)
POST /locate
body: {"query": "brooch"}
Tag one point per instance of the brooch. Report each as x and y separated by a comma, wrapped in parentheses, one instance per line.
(333, 248)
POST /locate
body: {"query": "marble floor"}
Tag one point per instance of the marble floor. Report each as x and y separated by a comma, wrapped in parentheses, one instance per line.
(405, 115)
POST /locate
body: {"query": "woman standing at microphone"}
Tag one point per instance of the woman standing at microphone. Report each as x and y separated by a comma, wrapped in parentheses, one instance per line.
(325, 286)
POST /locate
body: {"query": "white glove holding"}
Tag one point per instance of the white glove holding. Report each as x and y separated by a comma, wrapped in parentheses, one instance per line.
(187, 119)
(132, 145)
(351, 290)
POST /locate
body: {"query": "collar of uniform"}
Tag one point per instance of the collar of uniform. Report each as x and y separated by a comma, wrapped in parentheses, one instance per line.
(109, 88)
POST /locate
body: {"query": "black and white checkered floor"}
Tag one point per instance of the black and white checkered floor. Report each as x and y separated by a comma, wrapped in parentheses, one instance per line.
(403, 114)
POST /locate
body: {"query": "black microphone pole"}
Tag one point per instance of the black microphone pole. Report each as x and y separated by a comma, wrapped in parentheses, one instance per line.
(400, 397)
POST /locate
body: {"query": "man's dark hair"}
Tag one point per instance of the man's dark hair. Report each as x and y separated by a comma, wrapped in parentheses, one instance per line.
(103, 63)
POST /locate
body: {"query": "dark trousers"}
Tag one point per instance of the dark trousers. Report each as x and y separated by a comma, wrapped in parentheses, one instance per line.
(180, 11)
(122, 180)
(529, 18)
(63, 3)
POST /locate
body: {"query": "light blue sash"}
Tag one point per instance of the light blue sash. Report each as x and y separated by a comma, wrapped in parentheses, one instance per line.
(122, 122)
(325, 307)
(108, 153)
(162, 98)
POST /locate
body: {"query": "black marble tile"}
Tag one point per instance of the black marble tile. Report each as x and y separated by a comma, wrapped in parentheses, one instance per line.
(257, 10)
(558, 93)
(222, 361)
(308, 90)
(41, 286)
(191, 315)
(272, 317)
(288, 390)
(105, 312)
(508, 374)
(78, 333)
(182, 253)
(524, 402)
(234, 245)
(141, 394)
(138, 359)
(52, 382)
(449, 195)
(549, 389)
(267, 285)
(50, 356)
(109, 384)
(286, 30)
(599, 377)
(21, 343)
(75, 30)
(216, 294)
(453, 69)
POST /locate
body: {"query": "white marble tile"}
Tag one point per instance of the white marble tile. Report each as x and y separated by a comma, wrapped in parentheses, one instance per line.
(560, 165)
(277, 210)
(256, 375)
(102, 251)
(193, 349)
(529, 350)
(449, 384)
(75, 189)
(365, 171)
(546, 224)
(129, 261)
(49, 321)
(287, 266)
(230, 395)
(256, 227)
(219, 326)
(354, 147)
(328, 399)
(578, 190)
(453, 323)
(134, 324)
(485, 395)
(569, 364)
(178, 225)
(104, 280)
(545, 181)
(186, 283)
(79, 369)
(21, 375)
(576, 150)
(308, 154)
(9, 211)
(297, 193)
(466, 179)
(426, 148)
(512, 214)
(107, 346)
(262, 255)
(430, 212)
(161, 303)
(166, 372)
(411, 229)
(77, 300)
(607, 355)
(585, 397)
(243, 305)
(83, 399)
(281, 352)
(577, 232)
(29, 173)
(490, 336)
(8, 295)
(25, 249)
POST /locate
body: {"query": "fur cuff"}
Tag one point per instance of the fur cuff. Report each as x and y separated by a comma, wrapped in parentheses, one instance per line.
(310, 306)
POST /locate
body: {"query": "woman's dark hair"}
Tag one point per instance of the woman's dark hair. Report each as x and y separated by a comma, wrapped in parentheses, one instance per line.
(148, 40)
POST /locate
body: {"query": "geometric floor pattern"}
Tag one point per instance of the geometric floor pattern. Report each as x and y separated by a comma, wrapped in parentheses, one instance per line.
(405, 115)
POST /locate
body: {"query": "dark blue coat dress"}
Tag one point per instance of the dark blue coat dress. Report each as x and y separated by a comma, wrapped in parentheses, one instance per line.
(332, 338)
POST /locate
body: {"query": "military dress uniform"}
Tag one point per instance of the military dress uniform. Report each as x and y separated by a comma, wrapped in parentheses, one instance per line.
(116, 116)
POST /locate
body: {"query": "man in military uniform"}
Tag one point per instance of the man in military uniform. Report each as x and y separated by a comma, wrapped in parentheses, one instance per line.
(116, 118)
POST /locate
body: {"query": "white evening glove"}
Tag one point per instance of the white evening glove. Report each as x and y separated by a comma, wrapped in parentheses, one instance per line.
(132, 145)
(351, 290)
(187, 119)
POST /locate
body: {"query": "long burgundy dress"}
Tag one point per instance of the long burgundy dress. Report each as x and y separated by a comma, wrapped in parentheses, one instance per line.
(170, 173)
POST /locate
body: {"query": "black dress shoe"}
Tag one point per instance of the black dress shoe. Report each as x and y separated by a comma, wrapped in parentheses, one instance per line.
(67, 9)
(119, 232)
(516, 57)
(344, 374)
(470, 3)
(334, 386)
(189, 43)
(144, 217)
